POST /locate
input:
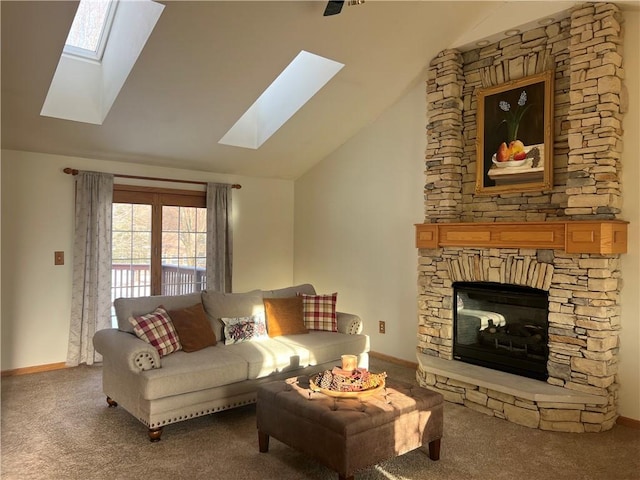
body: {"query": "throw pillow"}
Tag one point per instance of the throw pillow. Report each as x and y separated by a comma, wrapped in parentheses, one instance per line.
(284, 316)
(320, 312)
(244, 329)
(194, 330)
(156, 329)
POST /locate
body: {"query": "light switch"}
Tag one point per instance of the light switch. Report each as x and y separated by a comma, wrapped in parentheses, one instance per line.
(58, 258)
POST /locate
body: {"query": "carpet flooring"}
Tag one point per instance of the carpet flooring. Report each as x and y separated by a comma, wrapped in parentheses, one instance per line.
(55, 425)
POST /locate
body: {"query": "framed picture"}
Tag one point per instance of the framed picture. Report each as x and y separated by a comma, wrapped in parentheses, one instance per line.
(514, 142)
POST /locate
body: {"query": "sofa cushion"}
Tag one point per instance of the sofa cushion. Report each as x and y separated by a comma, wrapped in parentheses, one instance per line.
(130, 307)
(244, 329)
(266, 357)
(157, 329)
(284, 316)
(320, 312)
(290, 291)
(219, 305)
(321, 347)
(193, 327)
(191, 372)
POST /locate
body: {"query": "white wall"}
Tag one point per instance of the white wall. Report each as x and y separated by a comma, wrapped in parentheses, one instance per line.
(37, 219)
(354, 216)
(629, 368)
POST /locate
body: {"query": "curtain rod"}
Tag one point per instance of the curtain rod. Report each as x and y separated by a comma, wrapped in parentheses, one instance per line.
(73, 171)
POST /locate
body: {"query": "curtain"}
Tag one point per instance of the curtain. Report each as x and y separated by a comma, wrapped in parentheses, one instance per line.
(219, 237)
(91, 288)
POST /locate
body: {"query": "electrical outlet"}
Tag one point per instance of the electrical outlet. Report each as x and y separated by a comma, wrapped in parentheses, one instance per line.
(58, 258)
(382, 328)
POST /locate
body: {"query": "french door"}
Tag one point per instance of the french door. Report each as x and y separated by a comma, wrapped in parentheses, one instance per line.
(159, 239)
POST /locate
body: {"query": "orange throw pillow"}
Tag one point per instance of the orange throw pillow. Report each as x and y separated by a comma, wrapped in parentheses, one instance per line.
(284, 316)
(194, 330)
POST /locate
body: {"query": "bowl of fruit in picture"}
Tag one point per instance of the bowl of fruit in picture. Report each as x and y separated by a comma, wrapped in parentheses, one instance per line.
(513, 155)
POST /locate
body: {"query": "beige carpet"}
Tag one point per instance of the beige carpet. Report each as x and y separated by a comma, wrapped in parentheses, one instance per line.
(56, 425)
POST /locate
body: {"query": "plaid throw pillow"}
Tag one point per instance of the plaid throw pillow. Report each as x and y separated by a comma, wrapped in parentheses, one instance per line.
(320, 312)
(157, 329)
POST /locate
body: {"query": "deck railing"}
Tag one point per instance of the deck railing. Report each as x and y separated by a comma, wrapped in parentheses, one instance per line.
(130, 281)
(135, 280)
(180, 280)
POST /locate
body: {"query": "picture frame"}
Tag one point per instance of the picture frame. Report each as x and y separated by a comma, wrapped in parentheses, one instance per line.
(514, 141)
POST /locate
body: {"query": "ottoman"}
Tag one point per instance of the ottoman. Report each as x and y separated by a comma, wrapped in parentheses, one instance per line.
(350, 434)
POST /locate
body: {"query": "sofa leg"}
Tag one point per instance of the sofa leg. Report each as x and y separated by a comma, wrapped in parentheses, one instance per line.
(154, 434)
(112, 403)
(434, 449)
(263, 442)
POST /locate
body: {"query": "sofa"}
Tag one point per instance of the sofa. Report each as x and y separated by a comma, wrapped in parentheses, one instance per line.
(160, 390)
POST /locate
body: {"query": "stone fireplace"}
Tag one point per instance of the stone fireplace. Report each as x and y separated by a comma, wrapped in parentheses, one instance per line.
(582, 284)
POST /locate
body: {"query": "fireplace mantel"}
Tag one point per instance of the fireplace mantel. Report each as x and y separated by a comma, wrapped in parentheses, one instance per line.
(602, 237)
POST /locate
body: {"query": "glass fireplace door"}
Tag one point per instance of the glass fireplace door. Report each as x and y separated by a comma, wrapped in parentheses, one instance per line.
(504, 327)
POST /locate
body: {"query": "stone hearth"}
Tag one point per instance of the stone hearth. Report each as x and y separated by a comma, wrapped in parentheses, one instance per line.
(584, 51)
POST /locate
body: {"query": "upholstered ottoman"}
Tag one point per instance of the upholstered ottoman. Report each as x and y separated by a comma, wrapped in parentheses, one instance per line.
(351, 434)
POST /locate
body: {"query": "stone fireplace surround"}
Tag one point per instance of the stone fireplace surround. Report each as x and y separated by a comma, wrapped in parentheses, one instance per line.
(585, 51)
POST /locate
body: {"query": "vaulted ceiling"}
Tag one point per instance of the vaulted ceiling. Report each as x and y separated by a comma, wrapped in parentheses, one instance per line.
(206, 62)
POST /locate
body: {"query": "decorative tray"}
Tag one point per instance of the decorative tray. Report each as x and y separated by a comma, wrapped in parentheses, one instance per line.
(356, 384)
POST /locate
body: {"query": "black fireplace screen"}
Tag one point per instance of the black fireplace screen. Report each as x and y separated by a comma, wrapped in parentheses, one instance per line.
(501, 326)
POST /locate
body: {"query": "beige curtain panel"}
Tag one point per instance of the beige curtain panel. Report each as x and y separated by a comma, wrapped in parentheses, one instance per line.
(91, 289)
(219, 237)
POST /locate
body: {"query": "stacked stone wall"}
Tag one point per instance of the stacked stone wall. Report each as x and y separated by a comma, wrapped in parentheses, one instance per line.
(585, 53)
(443, 193)
(595, 112)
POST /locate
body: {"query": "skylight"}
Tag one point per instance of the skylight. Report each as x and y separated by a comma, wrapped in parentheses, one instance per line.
(85, 90)
(301, 80)
(90, 28)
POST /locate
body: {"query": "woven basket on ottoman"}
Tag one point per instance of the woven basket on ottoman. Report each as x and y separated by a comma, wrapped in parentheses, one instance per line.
(350, 434)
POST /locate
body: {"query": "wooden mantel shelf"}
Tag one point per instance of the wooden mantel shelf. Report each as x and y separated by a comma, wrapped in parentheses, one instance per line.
(599, 236)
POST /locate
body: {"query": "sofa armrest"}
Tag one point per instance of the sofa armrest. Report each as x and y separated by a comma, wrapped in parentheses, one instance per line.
(349, 323)
(126, 350)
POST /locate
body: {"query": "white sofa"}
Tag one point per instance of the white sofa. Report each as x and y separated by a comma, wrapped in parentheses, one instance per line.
(179, 386)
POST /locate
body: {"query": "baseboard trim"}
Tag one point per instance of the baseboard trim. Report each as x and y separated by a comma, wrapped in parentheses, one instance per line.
(35, 369)
(629, 422)
(397, 361)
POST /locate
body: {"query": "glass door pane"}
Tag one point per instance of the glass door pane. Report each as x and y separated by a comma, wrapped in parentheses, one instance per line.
(131, 251)
(184, 231)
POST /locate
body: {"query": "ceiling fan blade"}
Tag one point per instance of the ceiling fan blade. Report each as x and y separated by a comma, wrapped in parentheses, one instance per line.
(333, 8)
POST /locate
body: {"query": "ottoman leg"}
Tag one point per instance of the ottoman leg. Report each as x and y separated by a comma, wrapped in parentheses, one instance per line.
(434, 449)
(263, 442)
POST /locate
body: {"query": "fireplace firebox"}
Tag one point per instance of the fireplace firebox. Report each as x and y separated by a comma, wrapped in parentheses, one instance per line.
(501, 326)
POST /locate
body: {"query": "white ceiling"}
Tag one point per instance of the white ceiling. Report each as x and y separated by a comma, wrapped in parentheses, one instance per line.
(206, 62)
